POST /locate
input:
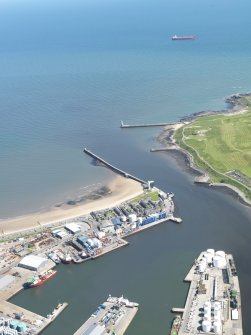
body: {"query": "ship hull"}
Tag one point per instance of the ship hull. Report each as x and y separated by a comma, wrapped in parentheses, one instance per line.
(180, 38)
(42, 280)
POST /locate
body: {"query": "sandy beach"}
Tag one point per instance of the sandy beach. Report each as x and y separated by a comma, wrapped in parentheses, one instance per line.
(122, 189)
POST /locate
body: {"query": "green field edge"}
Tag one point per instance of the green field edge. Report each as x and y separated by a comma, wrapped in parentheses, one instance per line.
(215, 178)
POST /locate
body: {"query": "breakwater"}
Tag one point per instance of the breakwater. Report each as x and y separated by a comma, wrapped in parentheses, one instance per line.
(114, 168)
(122, 125)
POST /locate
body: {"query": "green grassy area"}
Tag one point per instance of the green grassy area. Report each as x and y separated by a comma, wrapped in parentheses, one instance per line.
(153, 195)
(220, 144)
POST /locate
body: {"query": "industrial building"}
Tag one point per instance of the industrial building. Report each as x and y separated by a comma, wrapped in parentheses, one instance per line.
(73, 228)
(60, 233)
(33, 263)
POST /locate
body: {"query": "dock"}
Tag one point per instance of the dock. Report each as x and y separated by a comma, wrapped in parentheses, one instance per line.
(113, 316)
(113, 168)
(213, 304)
(34, 322)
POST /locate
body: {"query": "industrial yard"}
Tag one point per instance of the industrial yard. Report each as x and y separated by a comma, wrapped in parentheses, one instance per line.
(29, 257)
(213, 304)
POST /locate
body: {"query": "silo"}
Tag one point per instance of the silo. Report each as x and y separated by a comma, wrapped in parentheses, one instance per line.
(206, 326)
(132, 218)
(217, 327)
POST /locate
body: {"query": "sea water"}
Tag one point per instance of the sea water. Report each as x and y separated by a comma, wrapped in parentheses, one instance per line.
(70, 71)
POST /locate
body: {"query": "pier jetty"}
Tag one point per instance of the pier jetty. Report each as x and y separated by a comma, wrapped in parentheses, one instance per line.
(113, 316)
(143, 125)
(114, 168)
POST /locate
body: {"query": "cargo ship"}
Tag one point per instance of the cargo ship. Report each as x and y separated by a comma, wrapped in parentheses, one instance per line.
(213, 304)
(40, 279)
(177, 38)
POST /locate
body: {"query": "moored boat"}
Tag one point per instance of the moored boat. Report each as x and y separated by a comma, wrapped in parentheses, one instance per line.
(175, 325)
(40, 279)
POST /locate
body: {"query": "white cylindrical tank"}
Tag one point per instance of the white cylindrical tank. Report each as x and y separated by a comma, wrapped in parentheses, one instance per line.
(123, 218)
(209, 257)
(219, 262)
(206, 326)
(210, 251)
(220, 253)
(217, 327)
(132, 218)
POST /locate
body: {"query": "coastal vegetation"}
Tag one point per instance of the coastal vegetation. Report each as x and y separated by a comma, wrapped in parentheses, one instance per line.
(220, 145)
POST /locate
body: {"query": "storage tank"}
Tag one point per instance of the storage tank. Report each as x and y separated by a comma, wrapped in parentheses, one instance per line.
(209, 257)
(220, 253)
(123, 218)
(13, 324)
(219, 262)
(206, 326)
(21, 327)
(211, 251)
(132, 218)
(217, 327)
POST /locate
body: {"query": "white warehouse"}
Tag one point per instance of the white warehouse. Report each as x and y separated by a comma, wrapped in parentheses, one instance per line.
(33, 263)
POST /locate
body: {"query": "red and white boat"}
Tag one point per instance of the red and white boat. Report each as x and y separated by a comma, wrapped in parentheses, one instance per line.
(40, 279)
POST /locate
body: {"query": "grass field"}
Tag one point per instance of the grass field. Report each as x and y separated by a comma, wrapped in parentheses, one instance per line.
(221, 144)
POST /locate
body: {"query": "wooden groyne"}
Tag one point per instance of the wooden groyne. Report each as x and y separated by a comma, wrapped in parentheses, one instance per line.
(122, 125)
(114, 168)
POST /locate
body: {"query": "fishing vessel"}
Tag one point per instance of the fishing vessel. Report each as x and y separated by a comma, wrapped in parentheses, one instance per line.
(54, 257)
(176, 325)
(177, 38)
(40, 279)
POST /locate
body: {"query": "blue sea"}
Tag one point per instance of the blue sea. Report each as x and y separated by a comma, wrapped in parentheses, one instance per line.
(72, 70)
